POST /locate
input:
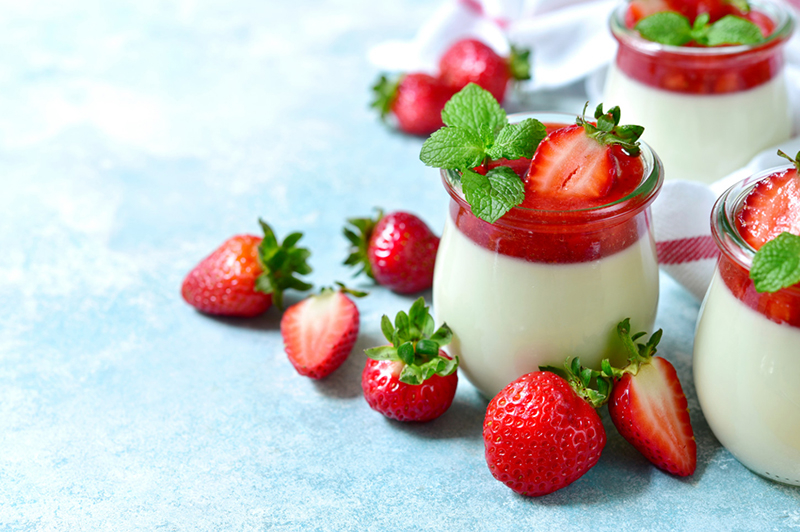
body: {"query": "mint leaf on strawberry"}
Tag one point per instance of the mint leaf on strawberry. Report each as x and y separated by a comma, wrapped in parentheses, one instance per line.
(476, 131)
(492, 195)
(777, 264)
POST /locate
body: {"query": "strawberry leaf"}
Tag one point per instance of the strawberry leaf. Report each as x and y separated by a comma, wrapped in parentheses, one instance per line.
(384, 352)
(454, 147)
(519, 63)
(359, 235)
(406, 352)
(518, 140)
(443, 335)
(777, 264)
(474, 108)
(387, 328)
(427, 347)
(492, 195)
(280, 262)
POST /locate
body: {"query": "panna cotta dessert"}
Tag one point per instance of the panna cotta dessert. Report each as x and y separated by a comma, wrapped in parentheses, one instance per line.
(711, 94)
(747, 344)
(554, 274)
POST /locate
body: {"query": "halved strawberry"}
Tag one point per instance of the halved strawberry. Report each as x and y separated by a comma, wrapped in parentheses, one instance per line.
(320, 331)
(649, 408)
(578, 165)
(772, 207)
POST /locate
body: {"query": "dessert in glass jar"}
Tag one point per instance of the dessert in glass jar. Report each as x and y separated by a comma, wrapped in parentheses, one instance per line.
(708, 105)
(747, 344)
(552, 276)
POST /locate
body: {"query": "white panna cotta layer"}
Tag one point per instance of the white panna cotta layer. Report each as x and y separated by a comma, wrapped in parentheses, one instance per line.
(703, 137)
(745, 370)
(509, 316)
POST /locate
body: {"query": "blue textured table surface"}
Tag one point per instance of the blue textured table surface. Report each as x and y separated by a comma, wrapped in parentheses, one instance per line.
(134, 138)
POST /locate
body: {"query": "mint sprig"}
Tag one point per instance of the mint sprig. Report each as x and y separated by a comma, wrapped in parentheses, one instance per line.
(675, 29)
(477, 130)
(777, 264)
(415, 342)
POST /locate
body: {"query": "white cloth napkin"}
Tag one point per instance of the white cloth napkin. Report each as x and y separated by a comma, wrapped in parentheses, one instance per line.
(571, 41)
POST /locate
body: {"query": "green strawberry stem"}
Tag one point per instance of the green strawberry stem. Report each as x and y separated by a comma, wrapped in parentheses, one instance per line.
(280, 262)
(795, 161)
(415, 343)
(519, 63)
(591, 385)
(608, 131)
(638, 354)
(384, 94)
(359, 235)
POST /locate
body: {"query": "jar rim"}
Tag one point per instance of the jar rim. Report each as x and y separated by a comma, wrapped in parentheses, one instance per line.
(724, 229)
(780, 14)
(631, 204)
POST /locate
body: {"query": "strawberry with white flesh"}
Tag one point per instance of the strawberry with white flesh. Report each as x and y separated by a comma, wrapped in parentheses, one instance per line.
(320, 331)
(397, 250)
(583, 162)
(542, 432)
(773, 207)
(648, 405)
(412, 379)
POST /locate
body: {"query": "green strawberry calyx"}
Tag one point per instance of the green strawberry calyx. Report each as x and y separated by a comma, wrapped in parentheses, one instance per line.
(281, 263)
(519, 63)
(384, 93)
(359, 234)
(607, 131)
(341, 288)
(639, 354)
(590, 385)
(415, 343)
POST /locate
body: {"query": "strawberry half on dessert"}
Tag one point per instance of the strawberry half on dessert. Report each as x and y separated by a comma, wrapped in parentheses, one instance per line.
(586, 164)
(772, 207)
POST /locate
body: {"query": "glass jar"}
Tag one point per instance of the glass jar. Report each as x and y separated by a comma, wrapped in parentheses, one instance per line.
(747, 354)
(538, 286)
(706, 110)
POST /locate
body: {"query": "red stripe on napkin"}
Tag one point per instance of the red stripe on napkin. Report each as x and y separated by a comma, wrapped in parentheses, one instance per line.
(686, 250)
(477, 7)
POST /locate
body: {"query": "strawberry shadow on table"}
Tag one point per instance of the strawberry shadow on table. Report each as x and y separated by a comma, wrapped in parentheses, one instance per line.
(345, 382)
(463, 420)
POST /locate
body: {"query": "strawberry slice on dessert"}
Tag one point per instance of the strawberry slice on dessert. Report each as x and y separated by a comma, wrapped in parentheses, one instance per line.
(581, 164)
(320, 331)
(772, 207)
(649, 408)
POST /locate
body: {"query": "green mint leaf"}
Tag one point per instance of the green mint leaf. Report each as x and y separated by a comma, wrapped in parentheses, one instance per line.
(518, 140)
(492, 195)
(475, 109)
(777, 264)
(665, 28)
(731, 29)
(384, 352)
(454, 147)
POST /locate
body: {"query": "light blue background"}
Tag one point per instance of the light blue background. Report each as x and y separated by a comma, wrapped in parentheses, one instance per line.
(134, 138)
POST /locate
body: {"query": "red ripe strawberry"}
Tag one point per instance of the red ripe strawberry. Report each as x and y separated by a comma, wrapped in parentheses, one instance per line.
(246, 274)
(772, 207)
(416, 100)
(639, 9)
(412, 379)
(649, 408)
(471, 61)
(397, 250)
(580, 165)
(320, 331)
(542, 432)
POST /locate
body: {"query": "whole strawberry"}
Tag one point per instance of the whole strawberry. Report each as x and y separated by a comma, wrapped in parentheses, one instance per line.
(649, 408)
(470, 60)
(416, 100)
(541, 432)
(320, 331)
(247, 274)
(396, 250)
(412, 379)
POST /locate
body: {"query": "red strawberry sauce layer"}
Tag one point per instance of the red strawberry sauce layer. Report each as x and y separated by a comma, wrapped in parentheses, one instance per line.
(697, 70)
(560, 237)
